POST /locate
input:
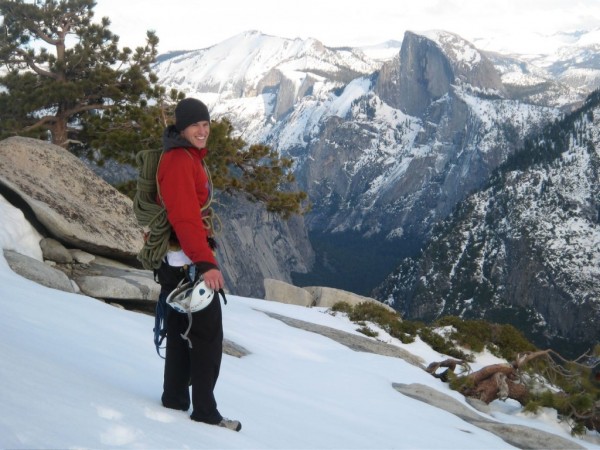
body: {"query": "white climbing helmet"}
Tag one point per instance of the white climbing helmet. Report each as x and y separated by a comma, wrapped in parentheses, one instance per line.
(189, 298)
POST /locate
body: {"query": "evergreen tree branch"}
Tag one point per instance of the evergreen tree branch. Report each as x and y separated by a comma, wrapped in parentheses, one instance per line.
(41, 123)
(30, 62)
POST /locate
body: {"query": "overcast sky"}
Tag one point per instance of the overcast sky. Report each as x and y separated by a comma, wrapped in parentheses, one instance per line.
(194, 24)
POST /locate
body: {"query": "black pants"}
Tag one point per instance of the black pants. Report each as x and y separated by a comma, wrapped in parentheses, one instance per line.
(197, 366)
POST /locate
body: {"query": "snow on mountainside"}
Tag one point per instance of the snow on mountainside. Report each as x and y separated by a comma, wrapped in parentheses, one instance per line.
(567, 70)
(526, 248)
(241, 65)
(458, 49)
(383, 52)
(574, 60)
(255, 79)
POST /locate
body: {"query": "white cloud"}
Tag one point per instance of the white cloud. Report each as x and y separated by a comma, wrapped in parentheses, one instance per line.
(186, 24)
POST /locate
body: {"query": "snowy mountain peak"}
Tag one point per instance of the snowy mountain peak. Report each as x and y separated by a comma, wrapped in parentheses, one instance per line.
(455, 47)
(247, 63)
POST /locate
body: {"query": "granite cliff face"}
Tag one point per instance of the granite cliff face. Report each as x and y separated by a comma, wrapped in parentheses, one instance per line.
(430, 66)
(255, 245)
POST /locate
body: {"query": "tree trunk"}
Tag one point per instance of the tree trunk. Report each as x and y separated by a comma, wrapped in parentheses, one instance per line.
(60, 135)
(497, 381)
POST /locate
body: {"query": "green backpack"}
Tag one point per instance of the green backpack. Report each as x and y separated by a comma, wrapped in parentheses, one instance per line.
(151, 216)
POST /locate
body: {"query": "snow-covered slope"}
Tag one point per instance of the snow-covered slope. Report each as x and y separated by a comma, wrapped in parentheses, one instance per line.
(576, 62)
(79, 373)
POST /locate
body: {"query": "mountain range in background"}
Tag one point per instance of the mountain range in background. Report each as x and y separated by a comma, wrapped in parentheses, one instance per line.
(398, 147)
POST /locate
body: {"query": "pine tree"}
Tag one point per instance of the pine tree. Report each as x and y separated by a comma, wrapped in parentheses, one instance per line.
(66, 79)
(61, 67)
(256, 170)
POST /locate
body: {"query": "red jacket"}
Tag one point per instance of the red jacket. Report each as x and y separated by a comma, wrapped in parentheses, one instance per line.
(184, 189)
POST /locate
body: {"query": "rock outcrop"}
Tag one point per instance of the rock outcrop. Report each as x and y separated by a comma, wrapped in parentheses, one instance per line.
(279, 291)
(37, 271)
(519, 436)
(111, 280)
(73, 204)
(320, 296)
(94, 276)
(326, 297)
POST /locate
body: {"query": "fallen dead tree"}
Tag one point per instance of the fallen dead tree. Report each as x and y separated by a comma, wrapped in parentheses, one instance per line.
(534, 379)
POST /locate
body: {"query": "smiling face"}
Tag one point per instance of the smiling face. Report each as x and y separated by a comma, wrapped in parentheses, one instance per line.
(197, 133)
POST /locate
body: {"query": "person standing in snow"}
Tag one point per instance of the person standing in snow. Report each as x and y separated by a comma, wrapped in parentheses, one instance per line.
(185, 191)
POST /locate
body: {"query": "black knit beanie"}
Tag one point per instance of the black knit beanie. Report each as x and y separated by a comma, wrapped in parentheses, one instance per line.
(189, 111)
